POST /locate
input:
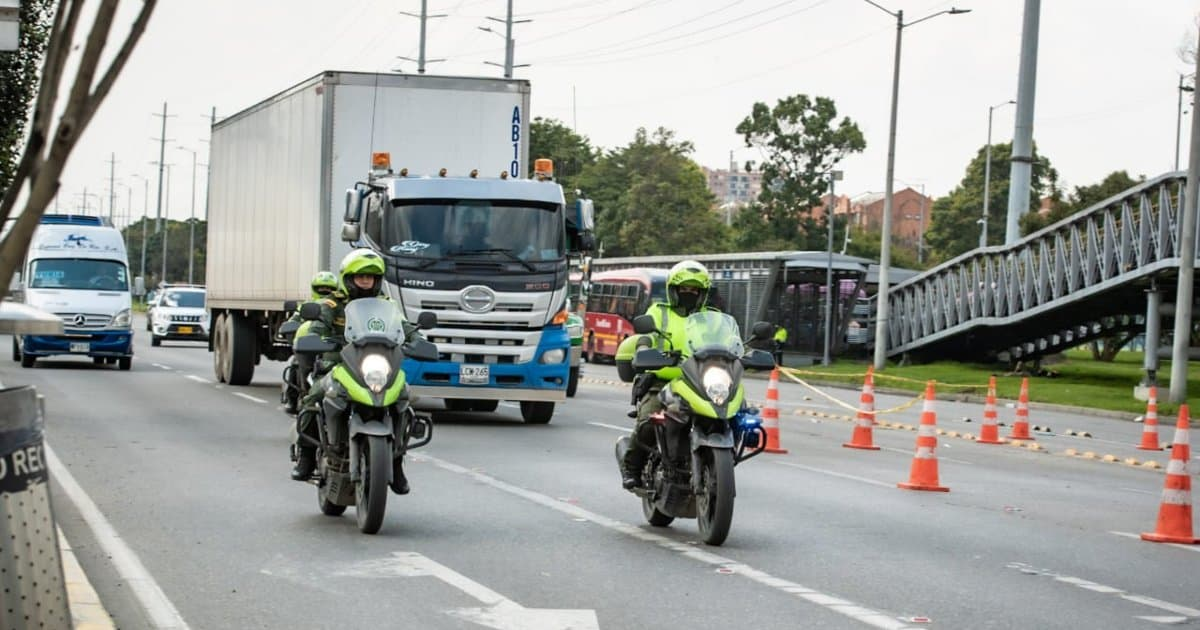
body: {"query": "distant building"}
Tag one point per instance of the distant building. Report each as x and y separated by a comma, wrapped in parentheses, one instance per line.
(732, 186)
(908, 219)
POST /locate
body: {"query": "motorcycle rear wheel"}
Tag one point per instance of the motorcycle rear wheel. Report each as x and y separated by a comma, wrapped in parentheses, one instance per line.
(652, 513)
(370, 494)
(714, 505)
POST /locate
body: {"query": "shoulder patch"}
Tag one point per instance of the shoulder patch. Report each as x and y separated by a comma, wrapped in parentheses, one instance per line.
(329, 303)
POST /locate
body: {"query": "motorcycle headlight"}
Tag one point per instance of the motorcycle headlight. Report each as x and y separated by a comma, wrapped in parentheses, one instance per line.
(717, 382)
(553, 356)
(375, 370)
(121, 320)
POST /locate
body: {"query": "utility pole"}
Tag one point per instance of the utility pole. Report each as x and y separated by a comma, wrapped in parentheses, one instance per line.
(833, 177)
(987, 174)
(1022, 146)
(1187, 260)
(1179, 114)
(192, 220)
(508, 41)
(112, 191)
(421, 61)
(165, 233)
(162, 154)
(145, 219)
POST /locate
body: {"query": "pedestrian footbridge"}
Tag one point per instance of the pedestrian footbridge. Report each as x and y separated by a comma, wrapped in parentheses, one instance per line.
(1082, 278)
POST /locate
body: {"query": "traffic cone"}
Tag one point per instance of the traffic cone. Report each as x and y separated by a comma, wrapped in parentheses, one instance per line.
(924, 473)
(989, 433)
(862, 437)
(770, 414)
(1020, 430)
(1175, 511)
(1150, 428)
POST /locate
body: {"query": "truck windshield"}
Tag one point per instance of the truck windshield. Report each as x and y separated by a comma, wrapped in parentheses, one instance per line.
(467, 228)
(78, 273)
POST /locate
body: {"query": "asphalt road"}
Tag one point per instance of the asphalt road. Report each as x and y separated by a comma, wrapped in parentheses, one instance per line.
(515, 526)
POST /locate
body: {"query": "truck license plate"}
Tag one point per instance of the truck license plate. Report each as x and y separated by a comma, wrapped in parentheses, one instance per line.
(473, 374)
(185, 330)
(80, 346)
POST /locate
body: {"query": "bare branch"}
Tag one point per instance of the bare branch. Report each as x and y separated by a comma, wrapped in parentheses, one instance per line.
(118, 62)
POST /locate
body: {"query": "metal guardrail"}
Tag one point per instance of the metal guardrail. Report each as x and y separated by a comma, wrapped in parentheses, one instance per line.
(1070, 282)
(33, 592)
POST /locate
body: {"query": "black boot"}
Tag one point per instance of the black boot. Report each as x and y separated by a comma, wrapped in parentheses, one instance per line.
(631, 468)
(306, 463)
(399, 483)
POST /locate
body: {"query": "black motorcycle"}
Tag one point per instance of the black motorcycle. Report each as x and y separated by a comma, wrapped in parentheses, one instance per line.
(705, 428)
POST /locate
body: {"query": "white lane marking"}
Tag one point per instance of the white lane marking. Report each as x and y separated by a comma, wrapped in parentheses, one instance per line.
(163, 614)
(1108, 590)
(865, 615)
(1194, 548)
(161, 366)
(832, 473)
(611, 426)
(1137, 490)
(1164, 619)
(249, 397)
(198, 379)
(500, 612)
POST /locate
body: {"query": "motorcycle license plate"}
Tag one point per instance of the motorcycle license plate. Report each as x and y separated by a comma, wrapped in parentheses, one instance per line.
(185, 330)
(80, 346)
(473, 374)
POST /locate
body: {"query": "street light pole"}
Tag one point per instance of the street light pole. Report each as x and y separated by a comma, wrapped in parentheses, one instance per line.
(167, 231)
(885, 247)
(192, 220)
(987, 173)
(833, 177)
(1179, 114)
(145, 219)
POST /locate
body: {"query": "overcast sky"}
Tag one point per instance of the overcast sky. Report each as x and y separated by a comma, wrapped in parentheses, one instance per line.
(1106, 88)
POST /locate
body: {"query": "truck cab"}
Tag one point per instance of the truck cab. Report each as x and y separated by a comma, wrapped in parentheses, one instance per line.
(78, 270)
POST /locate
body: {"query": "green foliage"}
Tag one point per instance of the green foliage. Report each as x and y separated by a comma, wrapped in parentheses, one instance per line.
(954, 219)
(1082, 198)
(178, 234)
(19, 76)
(571, 152)
(801, 140)
(651, 198)
(869, 244)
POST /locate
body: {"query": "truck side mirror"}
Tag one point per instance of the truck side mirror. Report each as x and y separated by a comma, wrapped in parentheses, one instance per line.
(427, 320)
(351, 232)
(353, 206)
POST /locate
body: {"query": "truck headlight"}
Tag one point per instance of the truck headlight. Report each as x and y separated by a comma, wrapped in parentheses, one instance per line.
(375, 370)
(716, 381)
(554, 356)
(121, 319)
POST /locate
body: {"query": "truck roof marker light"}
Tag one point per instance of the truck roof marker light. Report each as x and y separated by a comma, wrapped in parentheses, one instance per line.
(404, 172)
(503, 174)
(381, 162)
(560, 317)
(442, 173)
(543, 169)
(474, 173)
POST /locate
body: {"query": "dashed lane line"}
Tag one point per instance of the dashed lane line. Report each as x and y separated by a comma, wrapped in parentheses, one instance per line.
(1107, 590)
(161, 366)
(1194, 548)
(833, 473)
(250, 398)
(193, 377)
(611, 426)
(838, 605)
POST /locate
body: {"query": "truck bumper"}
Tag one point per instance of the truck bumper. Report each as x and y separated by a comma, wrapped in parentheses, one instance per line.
(532, 381)
(96, 344)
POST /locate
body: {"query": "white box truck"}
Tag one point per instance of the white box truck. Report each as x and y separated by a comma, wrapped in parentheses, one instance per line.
(291, 191)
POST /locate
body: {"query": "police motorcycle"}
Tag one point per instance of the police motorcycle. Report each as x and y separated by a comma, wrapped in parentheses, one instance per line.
(705, 428)
(366, 431)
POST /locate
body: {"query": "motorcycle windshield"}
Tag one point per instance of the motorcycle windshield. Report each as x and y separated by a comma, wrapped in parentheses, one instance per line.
(711, 330)
(374, 317)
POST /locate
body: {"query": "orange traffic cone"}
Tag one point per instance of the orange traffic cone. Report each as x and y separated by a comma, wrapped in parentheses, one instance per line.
(1020, 430)
(770, 414)
(1150, 428)
(1175, 511)
(924, 473)
(989, 433)
(862, 437)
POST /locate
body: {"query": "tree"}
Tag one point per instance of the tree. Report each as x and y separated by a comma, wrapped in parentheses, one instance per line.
(954, 219)
(19, 81)
(47, 149)
(651, 198)
(1082, 198)
(571, 152)
(800, 140)
(177, 233)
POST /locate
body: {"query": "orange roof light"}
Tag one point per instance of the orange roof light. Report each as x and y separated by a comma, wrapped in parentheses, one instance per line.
(543, 168)
(381, 161)
(442, 173)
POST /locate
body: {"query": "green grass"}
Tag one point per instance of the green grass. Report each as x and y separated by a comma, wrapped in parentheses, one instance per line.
(1078, 380)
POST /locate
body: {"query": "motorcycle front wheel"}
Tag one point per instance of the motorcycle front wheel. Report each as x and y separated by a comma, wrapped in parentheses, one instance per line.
(714, 505)
(370, 494)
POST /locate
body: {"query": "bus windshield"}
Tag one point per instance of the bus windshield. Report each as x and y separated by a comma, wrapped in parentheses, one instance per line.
(78, 273)
(437, 229)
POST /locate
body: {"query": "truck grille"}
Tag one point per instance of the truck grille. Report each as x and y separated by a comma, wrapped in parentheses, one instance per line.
(501, 307)
(84, 321)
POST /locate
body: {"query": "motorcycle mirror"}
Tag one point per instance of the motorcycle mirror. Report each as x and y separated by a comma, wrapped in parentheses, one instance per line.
(644, 324)
(762, 330)
(651, 359)
(310, 311)
(288, 328)
(758, 360)
(289, 306)
(421, 350)
(427, 320)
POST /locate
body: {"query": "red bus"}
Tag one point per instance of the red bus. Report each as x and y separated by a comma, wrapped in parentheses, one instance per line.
(614, 299)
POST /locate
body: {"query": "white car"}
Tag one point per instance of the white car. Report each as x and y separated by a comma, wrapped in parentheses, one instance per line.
(179, 315)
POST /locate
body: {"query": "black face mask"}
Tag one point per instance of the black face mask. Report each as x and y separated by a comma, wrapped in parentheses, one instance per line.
(688, 301)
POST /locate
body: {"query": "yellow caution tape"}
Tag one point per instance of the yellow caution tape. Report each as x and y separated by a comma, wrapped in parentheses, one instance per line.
(878, 375)
(788, 372)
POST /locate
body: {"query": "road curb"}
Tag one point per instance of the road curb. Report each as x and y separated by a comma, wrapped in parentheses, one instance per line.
(87, 612)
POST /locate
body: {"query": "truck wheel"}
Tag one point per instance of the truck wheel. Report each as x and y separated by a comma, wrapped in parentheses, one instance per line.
(155, 340)
(16, 350)
(573, 381)
(124, 363)
(536, 411)
(27, 361)
(243, 350)
(219, 351)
